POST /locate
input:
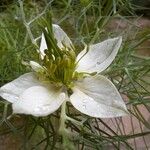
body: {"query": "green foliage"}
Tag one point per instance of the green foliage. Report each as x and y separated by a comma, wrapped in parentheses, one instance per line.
(85, 22)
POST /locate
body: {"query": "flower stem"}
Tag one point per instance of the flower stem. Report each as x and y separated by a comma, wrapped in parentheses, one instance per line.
(62, 129)
(62, 117)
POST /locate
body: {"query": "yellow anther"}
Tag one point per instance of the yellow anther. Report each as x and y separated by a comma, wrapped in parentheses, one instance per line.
(58, 61)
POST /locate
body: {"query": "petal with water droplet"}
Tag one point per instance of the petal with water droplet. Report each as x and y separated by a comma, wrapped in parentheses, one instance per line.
(39, 101)
(61, 37)
(98, 97)
(99, 56)
(12, 90)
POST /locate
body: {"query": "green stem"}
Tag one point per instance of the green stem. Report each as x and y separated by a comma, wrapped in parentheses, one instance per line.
(26, 24)
(62, 129)
(74, 121)
(62, 118)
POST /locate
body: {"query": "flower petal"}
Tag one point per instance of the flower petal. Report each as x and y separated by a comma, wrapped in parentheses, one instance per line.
(43, 46)
(12, 90)
(98, 97)
(39, 101)
(60, 36)
(99, 56)
(36, 67)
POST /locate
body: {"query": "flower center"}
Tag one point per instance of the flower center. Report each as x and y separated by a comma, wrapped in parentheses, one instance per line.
(59, 62)
(61, 68)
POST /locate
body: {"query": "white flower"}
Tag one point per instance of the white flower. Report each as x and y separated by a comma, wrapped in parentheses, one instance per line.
(95, 96)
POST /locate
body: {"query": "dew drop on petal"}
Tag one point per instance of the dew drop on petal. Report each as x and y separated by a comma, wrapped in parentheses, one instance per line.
(84, 106)
(37, 109)
(40, 109)
(98, 63)
(84, 101)
(62, 96)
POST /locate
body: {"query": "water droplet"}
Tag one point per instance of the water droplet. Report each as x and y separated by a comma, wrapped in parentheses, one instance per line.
(84, 100)
(84, 106)
(37, 109)
(62, 96)
(98, 63)
(98, 107)
(44, 108)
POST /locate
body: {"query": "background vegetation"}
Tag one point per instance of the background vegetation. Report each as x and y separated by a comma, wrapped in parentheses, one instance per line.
(89, 22)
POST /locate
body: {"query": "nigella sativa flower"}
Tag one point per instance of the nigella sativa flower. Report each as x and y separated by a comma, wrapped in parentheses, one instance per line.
(63, 76)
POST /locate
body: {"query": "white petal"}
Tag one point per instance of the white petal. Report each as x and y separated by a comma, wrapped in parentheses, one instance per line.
(36, 67)
(98, 97)
(43, 46)
(38, 101)
(60, 36)
(99, 56)
(12, 90)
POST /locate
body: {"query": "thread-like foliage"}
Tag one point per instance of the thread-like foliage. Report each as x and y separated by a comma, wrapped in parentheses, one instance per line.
(86, 22)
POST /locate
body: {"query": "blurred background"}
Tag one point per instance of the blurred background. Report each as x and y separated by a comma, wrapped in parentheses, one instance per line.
(85, 21)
